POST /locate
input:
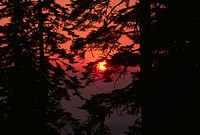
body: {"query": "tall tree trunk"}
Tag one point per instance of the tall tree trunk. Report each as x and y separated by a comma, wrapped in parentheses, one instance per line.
(41, 41)
(43, 92)
(146, 69)
(18, 115)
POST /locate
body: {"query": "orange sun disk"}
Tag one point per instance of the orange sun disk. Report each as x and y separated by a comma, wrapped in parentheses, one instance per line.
(102, 65)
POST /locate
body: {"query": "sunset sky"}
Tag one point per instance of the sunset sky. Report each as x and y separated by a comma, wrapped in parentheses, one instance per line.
(108, 67)
(116, 123)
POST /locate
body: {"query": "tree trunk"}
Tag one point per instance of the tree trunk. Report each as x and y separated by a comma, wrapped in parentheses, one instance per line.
(18, 120)
(43, 92)
(148, 125)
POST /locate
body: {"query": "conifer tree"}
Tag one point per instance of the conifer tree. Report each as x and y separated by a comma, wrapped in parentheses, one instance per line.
(35, 68)
(167, 58)
(106, 25)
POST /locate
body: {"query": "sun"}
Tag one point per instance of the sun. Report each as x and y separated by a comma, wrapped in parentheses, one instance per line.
(102, 65)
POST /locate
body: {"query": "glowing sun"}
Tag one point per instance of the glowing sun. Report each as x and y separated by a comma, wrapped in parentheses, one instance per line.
(102, 65)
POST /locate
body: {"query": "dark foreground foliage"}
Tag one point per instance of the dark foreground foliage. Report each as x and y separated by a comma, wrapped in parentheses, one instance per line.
(168, 84)
(36, 71)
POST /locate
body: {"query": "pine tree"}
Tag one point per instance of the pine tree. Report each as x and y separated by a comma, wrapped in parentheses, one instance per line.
(35, 68)
(105, 25)
(168, 60)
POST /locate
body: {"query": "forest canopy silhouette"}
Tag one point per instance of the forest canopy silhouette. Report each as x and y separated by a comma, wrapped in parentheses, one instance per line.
(40, 42)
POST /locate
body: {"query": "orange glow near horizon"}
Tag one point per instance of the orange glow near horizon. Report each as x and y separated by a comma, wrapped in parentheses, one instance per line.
(102, 65)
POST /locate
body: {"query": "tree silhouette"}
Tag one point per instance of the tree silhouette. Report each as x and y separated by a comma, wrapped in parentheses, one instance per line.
(106, 28)
(35, 68)
(169, 60)
(175, 72)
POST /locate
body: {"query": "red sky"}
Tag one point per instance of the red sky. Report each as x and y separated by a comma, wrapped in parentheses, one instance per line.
(99, 89)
